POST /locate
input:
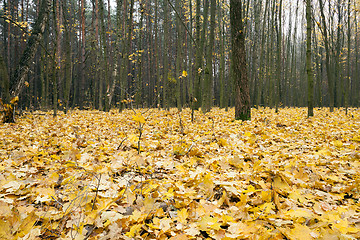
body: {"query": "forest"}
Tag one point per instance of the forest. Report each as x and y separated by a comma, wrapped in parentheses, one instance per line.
(179, 119)
(104, 54)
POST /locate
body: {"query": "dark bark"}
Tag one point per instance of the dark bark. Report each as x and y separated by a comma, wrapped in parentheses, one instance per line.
(279, 60)
(327, 60)
(5, 81)
(68, 62)
(166, 57)
(238, 64)
(207, 87)
(30, 50)
(27, 57)
(223, 98)
(82, 51)
(308, 60)
(261, 64)
(105, 56)
(179, 41)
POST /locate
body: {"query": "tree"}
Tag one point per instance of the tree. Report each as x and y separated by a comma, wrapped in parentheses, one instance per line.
(348, 78)
(223, 99)
(327, 52)
(83, 52)
(308, 60)
(5, 79)
(238, 62)
(179, 52)
(105, 57)
(166, 57)
(279, 59)
(206, 100)
(68, 50)
(27, 58)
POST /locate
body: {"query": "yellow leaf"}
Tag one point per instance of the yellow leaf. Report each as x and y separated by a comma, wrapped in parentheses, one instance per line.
(149, 203)
(169, 194)
(356, 139)
(134, 230)
(248, 134)
(222, 142)
(26, 225)
(44, 194)
(224, 199)
(337, 143)
(297, 196)
(300, 232)
(184, 74)
(90, 218)
(5, 210)
(155, 223)
(193, 230)
(138, 118)
(251, 189)
(280, 184)
(209, 222)
(136, 216)
(265, 196)
(226, 219)
(267, 207)
(182, 216)
(133, 138)
(107, 223)
(5, 230)
(236, 161)
(14, 100)
(342, 225)
(299, 213)
(165, 224)
(208, 183)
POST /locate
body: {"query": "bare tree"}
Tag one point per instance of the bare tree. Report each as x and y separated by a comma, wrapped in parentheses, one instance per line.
(238, 63)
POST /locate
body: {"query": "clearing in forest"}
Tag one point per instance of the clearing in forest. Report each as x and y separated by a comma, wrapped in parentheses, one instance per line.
(86, 175)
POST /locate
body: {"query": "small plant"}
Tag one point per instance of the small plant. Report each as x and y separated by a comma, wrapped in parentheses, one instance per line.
(8, 110)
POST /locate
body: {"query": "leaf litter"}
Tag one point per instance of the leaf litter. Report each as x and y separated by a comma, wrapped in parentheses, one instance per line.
(83, 176)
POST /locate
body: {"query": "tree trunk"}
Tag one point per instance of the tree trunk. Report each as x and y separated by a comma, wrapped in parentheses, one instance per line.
(82, 53)
(56, 55)
(139, 92)
(166, 57)
(279, 60)
(28, 55)
(31, 47)
(261, 67)
(223, 97)
(68, 51)
(308, 60)
(200, 40)
(116, 79)
(207, 96)
(348, 78)
(190, 47)
(327, 60)
(355, 93)
(157, 67)
(5, 83)
(179, 41)
(238, 63)
(127, 50)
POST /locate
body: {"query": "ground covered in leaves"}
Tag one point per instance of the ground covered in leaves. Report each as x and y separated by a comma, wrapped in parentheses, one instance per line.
(86, 175)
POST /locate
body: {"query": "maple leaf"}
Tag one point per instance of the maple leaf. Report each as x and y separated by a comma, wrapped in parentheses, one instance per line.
(300, 232)
(182, 215)
(138, 118)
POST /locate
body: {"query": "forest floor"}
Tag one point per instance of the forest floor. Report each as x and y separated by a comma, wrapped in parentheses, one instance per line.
(279, 176)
